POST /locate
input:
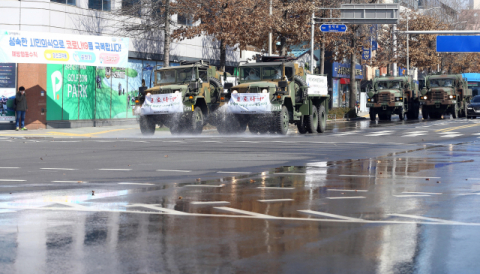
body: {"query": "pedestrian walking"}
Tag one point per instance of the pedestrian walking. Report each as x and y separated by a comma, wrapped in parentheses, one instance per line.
(21, 100)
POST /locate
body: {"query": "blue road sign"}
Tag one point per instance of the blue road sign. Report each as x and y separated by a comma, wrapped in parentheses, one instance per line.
(333, 28)
(366, 54)
(458, 43)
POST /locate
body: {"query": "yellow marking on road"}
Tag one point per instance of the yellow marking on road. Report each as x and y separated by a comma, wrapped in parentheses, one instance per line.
(455, 128)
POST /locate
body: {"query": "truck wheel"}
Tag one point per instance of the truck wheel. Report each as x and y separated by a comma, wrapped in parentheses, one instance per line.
(425, 113)
(299, 82)
(373, 116)
(416, 111)
(311, 121)
(281, 121)
(322, 119)
(196, 121)
(402, 114)
(301, 126)
(455, 112)
(253, 127)
(147, 125)
(218, 89)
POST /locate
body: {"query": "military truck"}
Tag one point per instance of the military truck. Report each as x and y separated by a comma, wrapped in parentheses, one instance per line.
(393, 95)
(183, 98)
(445, 94)
(271, 94)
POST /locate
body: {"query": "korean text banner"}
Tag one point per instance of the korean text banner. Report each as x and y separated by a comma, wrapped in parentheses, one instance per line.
(57, 48)
(249, 103)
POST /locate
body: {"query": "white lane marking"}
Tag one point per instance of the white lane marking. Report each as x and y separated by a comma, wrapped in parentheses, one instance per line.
(421, 218)
(173, 141)
(222, 185)
(11, 180)
(210, 203)
(139, 141)
(233, 172)
(347, 190)
(379, 133)
(341, 217)
(426, 193)
(210, 142)
(8, 167)
(79, 182)
(275, 200)
(154, 207)
(363, 176)
(57, 168)
(114, 169)
(417, 177)
(289, 173)
(347, 197)
(65, 141)
(450, 135)
(224, 208)
(173, 170)
(253, 142)
(164, 211)
(410, 196)
(143, 184)
(415, 133)
(272, 187)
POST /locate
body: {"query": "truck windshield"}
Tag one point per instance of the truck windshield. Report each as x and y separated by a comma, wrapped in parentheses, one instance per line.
(441, 83)
(165, 76)
(389, 84)
(186, 75)
(264, 73)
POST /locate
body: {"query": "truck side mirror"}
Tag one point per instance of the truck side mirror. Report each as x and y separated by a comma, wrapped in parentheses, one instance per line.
(282, 84)
(227, 85)
(193, 86)
(142, 90)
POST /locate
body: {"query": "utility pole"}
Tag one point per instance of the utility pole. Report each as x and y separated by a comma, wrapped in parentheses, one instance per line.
(408, 56)
(394, 65)
(270, 34)
(312, 42)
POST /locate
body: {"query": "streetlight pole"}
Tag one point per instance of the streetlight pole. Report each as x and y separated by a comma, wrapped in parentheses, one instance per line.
(270, 34)
(312, 57)
(408, 56)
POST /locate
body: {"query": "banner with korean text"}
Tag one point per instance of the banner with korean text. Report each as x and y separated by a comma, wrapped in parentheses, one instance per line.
(249, 103)
(162, 104)
(57, 48)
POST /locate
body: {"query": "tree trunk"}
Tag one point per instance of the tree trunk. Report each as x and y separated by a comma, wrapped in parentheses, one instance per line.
(166, 34)
(322, 57)
(283, 41)
(353, 90)
(223, 55)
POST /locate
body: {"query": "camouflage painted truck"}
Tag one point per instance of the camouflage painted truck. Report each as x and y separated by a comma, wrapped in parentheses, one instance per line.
(445, 94)
(393, 95)
(183, 98)
(272, 94)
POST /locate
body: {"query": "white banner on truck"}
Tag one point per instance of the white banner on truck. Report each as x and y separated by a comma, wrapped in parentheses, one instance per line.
(162, 104)
(57, 48)
(317, 85)
(249, 103)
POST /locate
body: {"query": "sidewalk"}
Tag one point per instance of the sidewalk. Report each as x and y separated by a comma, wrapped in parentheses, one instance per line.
(84, 132)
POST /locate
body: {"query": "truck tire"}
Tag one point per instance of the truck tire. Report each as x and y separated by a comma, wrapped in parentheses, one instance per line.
(416, 110)
(147, 125)
(215, 97)
(322, 119)
(232, 124)
(299, 82)
(311, 121)
(195, 121)
(402, 114)
(425, 113)
(281, 121)
(373, 116)
(253, 128)
(301, 126)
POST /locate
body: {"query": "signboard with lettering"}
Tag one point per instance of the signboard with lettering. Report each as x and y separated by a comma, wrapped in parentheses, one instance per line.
(333, 28)
(317, 84)
(341, 70)
(57, 48)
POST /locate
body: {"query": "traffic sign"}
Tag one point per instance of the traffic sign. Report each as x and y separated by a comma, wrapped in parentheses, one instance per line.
(458, 43)
(333, 28)
(366, 54)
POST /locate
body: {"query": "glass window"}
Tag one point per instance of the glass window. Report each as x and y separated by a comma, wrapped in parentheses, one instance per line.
(165, 76)
(203, 75)
(132, 7)
(441, 83)
(104, 5)
(476, 99)
(186, 75)
(272, 73)
(250, 73)
(68, 2)
(184, 19)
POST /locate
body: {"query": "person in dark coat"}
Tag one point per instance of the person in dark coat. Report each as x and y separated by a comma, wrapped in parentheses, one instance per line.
(21, 108)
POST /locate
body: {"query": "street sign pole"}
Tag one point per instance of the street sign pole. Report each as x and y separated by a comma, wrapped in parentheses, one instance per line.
(312, 42)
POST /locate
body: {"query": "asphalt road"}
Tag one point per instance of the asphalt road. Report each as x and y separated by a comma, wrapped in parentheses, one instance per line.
(382, 197)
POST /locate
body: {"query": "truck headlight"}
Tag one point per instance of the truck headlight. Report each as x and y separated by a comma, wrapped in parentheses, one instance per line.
(469, 107)
(177, 92)
(264, 90)
(234, 91)
(424, 97)
(398, 99)
(450, 96)
(370, 100)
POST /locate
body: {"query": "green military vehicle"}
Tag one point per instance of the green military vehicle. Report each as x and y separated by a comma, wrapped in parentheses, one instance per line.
(183, 98)
(393, 95)
(445, 94)
(270, 95)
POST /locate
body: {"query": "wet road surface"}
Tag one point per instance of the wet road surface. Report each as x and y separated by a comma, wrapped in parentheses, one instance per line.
(386, 198)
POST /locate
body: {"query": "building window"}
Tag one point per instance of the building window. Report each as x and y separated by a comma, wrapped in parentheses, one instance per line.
(104, 5)
(184, 19)
(68, 2)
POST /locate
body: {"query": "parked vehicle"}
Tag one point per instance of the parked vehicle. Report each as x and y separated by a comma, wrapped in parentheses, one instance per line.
(473, 108)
